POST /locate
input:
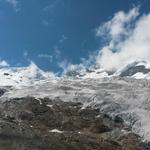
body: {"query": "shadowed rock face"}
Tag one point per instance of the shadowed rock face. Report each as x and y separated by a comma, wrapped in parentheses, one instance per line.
(2, 91)
(30, 124)
(133, 70)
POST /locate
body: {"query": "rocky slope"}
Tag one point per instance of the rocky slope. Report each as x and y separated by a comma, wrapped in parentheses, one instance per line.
(27, 124)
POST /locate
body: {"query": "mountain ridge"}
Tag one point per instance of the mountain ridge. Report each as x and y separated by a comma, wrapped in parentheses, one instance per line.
(136, 69)
(24, 76)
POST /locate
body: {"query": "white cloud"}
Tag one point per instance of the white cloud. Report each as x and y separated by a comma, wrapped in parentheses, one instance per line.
(14, 4)
(118, 25)
(4, 63)
(46, 56)
(135, 46)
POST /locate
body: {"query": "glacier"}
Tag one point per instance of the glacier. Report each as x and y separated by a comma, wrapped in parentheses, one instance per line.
(126, 97)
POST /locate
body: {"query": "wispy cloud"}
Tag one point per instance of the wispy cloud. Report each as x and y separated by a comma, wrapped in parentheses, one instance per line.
(45, 23)
(62, 39)
(46, 56)
(64, 65)
(67, 66)
(26, 56)
(51, 7)
(14, 4)
(90, 61)
(58, 46)
(57, 52)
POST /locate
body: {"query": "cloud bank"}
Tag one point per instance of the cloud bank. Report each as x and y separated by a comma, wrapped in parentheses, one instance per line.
(128, 36)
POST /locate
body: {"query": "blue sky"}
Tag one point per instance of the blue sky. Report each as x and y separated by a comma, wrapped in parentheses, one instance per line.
(48, 32)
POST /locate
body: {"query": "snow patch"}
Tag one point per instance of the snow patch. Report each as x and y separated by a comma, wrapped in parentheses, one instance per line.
(55, 131)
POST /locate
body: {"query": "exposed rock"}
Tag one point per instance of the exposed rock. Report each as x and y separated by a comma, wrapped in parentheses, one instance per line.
(134, 69)
(25, 124)
(2, 91)
(6, 74)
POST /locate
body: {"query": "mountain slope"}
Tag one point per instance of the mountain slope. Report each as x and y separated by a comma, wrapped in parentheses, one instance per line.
(124, 97)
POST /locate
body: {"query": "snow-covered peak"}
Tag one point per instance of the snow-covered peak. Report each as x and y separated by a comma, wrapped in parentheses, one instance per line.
(33, 72)
(22, 76)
